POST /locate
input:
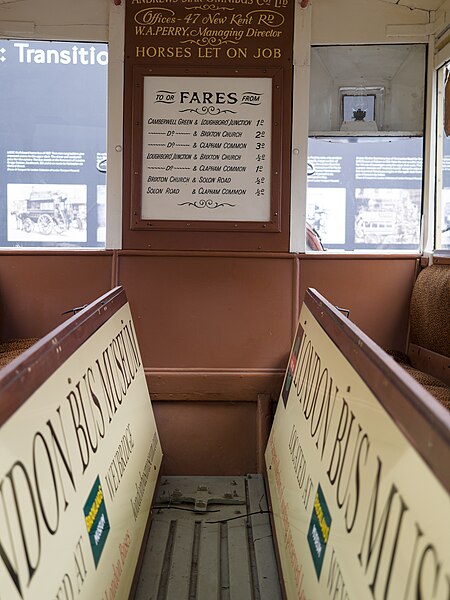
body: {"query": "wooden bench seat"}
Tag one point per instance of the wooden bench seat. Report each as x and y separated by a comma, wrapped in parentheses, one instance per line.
(428, 353)
(436, 387)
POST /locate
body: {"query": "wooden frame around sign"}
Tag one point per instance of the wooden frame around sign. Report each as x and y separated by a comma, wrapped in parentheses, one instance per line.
(273, 224)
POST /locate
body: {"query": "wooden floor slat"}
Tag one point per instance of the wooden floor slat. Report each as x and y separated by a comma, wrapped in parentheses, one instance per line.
(208, 583)
(152, 565)
(239, 563)
(204, 545)
(181, 560)
(266, 566)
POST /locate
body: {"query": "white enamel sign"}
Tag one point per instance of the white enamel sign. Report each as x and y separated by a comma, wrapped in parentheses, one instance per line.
(206, 148)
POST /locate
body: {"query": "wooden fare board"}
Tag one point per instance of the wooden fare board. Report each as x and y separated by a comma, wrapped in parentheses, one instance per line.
(79, 459)
(357, 465)
(210, 32)
(208, 97)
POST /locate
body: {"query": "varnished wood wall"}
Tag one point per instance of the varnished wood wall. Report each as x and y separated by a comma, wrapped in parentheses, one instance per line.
(214, 329)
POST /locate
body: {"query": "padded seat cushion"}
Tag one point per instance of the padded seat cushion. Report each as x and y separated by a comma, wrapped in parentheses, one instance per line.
(430, 310)
(434, 386)
(12, 349)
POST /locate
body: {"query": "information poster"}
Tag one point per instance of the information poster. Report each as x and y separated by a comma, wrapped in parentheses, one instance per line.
(52, 144)
(358, 514)
(365, 195)
(79, 462)
(206, 148)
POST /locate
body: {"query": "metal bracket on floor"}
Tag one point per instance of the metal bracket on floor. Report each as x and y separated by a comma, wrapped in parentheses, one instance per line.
(200, 499)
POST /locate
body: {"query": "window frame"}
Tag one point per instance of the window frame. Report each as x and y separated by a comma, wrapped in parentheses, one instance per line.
(111, 34)
(442, 89)
(303, 42)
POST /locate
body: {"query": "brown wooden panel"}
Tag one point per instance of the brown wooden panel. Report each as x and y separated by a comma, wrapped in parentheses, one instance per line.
(207, 438)
(376, 290)
(210, 311)
(207, 311)
(213, 385)
(36, 288)
(211, 34)
(442, 257)
(430, 362)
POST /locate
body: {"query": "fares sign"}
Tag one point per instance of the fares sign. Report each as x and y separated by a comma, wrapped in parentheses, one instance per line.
(79, 462)
(206, 148)
(357, 512)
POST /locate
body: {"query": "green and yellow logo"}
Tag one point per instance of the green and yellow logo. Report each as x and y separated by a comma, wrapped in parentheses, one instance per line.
(96, 518)
(319, 530)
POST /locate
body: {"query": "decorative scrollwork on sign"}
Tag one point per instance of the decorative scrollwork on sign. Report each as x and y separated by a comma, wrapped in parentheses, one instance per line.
(208, 110)
(212, 204)
(209, 41)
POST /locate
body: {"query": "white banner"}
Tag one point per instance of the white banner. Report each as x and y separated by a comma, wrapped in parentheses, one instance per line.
(79, 462)
(358, 513)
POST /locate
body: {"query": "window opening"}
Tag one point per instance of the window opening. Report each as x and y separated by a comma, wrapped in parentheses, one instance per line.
(53, 143)
(365, 150)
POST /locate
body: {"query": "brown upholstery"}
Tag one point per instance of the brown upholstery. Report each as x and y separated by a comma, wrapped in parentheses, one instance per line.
(434, 386)
(430, 327)
(12, 349)
(430, 310)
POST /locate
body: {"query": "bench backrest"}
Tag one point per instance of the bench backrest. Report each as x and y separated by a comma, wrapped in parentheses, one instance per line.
(429, 338)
